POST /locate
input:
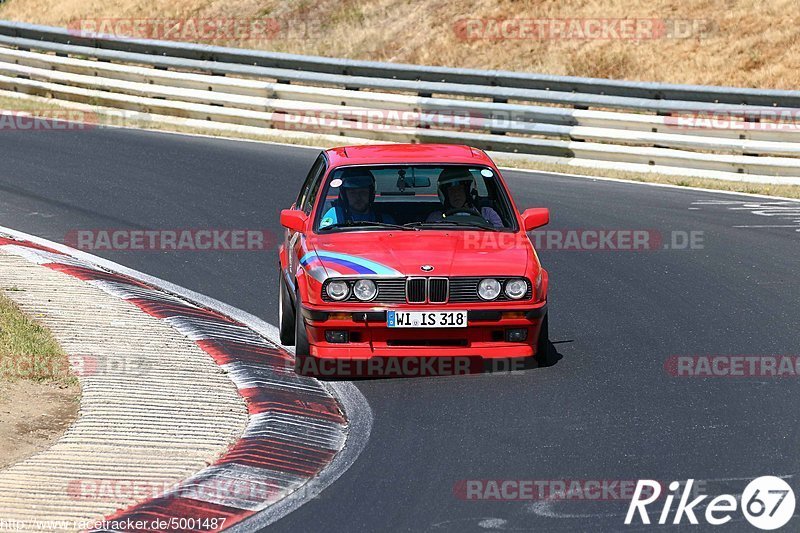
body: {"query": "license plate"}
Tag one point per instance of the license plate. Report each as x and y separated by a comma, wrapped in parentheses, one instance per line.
(426, 319)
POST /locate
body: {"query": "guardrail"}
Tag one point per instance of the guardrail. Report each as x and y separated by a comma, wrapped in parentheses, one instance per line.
(689, 128)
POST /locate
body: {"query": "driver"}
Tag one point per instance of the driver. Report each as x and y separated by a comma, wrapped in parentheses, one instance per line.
(455, 192)
(356, 201)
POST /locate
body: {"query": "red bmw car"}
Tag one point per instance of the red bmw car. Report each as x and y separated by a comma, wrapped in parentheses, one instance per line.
(411, 250)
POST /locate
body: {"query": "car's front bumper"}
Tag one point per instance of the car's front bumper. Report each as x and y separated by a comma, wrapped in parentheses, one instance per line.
(368, 335)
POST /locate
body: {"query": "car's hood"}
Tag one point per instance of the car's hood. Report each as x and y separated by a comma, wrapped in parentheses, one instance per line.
(402, 253)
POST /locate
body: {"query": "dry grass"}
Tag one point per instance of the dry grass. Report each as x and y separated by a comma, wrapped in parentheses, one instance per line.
(28, 351)
(39, 395)
(748, 43)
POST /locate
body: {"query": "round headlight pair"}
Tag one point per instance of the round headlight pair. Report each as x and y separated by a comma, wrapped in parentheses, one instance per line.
(363, 289)
(489, 289)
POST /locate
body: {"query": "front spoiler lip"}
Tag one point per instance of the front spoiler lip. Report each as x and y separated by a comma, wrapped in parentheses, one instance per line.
(475, 315)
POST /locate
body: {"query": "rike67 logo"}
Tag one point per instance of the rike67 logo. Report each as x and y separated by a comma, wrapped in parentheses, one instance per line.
(767, 503)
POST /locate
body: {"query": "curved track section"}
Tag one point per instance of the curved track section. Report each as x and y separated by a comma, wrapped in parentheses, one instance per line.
(140, 427)
(296, 426)
(608, 410)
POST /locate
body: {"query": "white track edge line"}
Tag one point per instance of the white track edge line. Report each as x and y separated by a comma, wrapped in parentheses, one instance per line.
(357, 409)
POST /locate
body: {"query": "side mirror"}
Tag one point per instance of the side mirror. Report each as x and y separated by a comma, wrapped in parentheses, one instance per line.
(535, 218)
(294, 219)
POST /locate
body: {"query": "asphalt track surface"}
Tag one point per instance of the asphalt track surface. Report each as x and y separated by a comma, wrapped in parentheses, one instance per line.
(607, 410)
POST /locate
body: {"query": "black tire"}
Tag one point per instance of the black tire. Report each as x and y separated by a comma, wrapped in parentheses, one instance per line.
(286, 317)
(544, 350)
(301, 347)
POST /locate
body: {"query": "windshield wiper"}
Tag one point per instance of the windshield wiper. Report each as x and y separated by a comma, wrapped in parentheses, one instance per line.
(366, 224)
(450, 223)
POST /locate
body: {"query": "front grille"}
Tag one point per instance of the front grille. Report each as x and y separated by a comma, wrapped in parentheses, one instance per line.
(420, 290)
(437, 290)
(415, 290)
(390, 290)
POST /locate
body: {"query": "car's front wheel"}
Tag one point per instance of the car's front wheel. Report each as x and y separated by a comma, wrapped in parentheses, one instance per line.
(286, 317)
(301, 347)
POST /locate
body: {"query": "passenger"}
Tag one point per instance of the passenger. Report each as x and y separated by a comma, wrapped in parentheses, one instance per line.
(456, 186)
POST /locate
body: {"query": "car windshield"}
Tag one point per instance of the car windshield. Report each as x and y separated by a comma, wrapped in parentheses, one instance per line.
(394, 197)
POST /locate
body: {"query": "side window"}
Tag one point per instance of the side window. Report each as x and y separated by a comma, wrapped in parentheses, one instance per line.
(480, 182)
(497, 201)
(316, 181)
(312, 175)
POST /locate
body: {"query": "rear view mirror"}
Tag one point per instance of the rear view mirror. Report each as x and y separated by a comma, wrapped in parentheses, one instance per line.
(535, 218)
(294, 219)
(404, 181)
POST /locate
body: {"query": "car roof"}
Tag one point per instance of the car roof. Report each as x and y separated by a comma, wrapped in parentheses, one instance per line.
(405, 154)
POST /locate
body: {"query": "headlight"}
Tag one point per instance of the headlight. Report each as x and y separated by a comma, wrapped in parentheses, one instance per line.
(516, 288)
(489, 289)
(338, 290)
(365, 290)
